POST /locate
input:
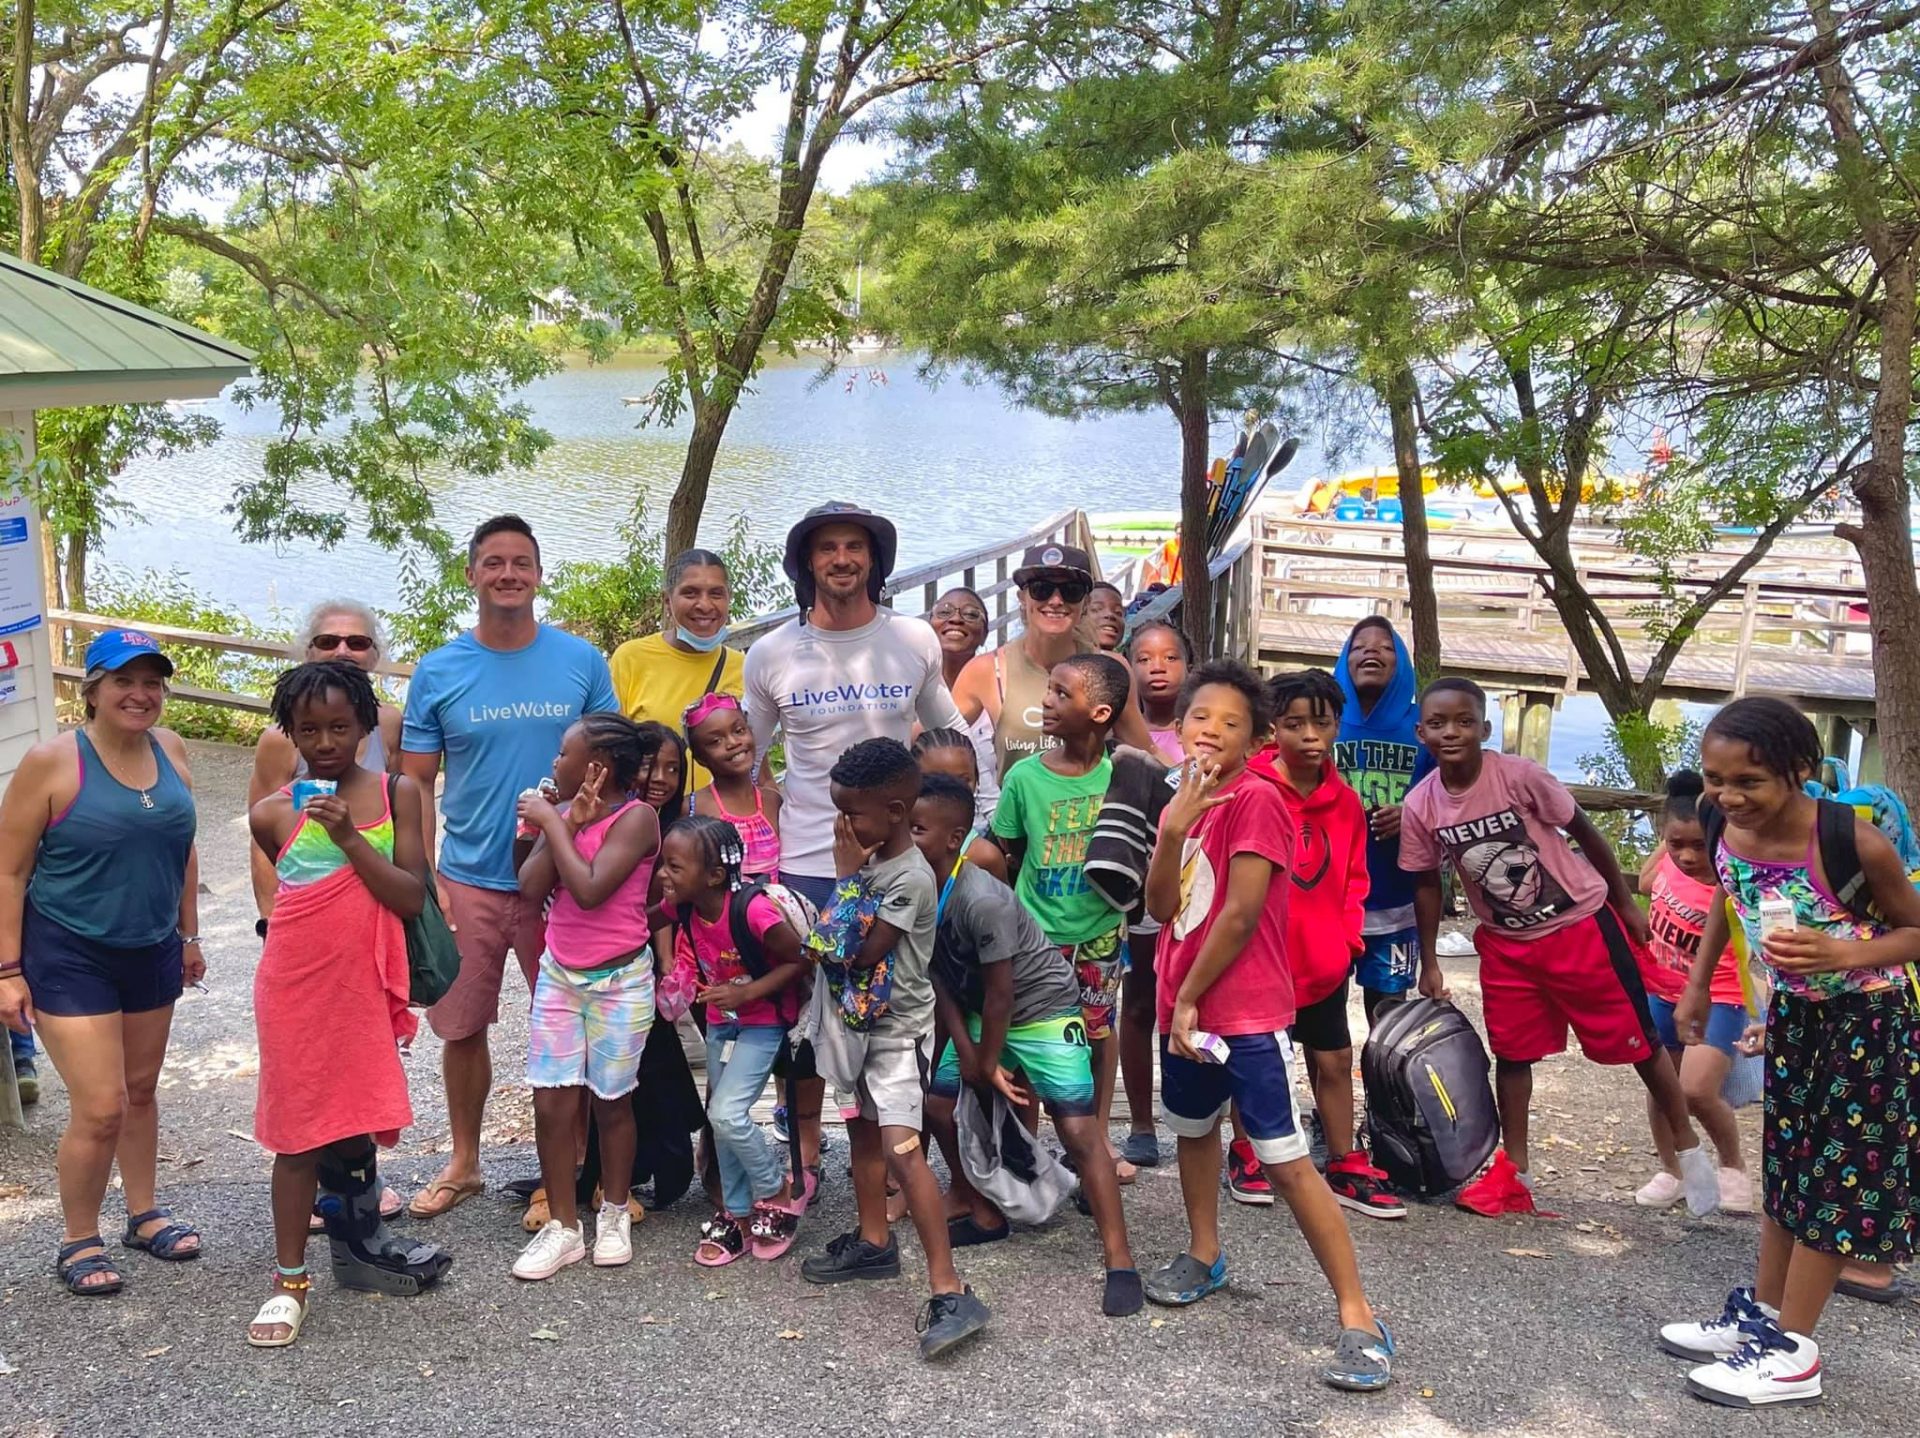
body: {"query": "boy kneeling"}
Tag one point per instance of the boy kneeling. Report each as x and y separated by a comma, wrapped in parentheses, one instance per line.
(1009, 999)
(1218, 882)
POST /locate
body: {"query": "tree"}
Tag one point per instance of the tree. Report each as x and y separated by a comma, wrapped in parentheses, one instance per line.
(1072, 224)
(674, 232)
(361, 258)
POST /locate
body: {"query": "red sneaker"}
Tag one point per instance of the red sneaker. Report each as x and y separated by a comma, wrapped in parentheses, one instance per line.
(1246, 1179)
(1358, 1185)
(1497, 1191)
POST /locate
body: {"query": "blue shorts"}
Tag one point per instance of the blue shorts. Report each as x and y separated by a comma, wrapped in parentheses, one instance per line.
(1258, 1075)
(1725, 1024)
(1390, 963)
(72, 976)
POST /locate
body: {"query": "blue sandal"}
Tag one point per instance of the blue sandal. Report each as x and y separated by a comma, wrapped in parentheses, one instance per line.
(164, 1244)
(74, 1271)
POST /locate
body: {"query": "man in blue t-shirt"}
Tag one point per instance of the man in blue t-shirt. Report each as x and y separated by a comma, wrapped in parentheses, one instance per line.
(1379, 753)
(493, 705)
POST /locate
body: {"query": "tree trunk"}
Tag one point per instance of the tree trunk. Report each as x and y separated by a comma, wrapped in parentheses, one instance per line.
(1196, 581)
(696, 477)
(74, 566)
(1423, 603)
(1884, 536)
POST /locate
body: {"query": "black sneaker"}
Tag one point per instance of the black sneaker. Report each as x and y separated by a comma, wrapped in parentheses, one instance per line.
(29, 1080)
(849, 1257)
(949, 1319)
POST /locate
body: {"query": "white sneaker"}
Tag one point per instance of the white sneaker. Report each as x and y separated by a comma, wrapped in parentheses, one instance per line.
(1717, 1337)
(1736, 1191)
(1774, 1366)
(1663, 1190)
(1700, 1178)
(552, 1249)
(613, 1236)
(1454, 945)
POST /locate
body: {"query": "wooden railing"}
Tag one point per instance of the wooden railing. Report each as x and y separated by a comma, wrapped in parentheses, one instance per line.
(1802, 605)
(987, 569)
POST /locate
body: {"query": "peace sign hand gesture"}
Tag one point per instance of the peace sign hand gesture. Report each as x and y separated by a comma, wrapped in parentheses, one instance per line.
(589, 805)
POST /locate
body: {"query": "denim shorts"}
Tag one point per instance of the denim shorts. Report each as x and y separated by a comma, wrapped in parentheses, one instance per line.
(1725, 1024)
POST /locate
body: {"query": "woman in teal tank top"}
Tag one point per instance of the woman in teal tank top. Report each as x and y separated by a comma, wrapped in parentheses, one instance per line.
(99, 930)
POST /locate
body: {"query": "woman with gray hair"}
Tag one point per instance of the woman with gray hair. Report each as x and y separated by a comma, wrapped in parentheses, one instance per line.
(99, 931)
(340, 629)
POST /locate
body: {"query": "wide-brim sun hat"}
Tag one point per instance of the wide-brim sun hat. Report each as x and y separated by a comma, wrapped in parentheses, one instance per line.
(1065, 560)
(886, 544)
(117, 648)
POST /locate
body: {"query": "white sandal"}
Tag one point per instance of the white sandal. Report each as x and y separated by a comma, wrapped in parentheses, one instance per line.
(282, 1308)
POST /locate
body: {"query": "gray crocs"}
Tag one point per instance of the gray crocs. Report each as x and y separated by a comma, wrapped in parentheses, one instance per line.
(1186, 1280)
(1362, 1361)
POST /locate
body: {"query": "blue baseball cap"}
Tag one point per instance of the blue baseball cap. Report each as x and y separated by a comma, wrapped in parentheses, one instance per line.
(118, 648)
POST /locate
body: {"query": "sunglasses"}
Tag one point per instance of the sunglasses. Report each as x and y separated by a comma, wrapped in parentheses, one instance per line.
(327, 643)
(1072, 591)
(969, 615)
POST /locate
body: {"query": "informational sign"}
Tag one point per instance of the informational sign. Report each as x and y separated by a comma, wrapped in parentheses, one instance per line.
(20, 591)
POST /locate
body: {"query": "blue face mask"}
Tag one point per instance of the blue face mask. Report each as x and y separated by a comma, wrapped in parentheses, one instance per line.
(698, 645)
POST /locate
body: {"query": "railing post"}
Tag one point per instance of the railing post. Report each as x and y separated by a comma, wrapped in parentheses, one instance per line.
(1749, 616)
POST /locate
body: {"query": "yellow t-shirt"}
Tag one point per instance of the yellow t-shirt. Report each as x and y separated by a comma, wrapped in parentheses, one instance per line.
(656, 681)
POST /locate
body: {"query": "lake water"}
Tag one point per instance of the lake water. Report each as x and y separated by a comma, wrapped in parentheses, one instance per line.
(954, 465)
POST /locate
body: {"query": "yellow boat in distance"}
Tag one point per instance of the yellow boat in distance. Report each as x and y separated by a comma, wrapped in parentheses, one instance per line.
(1335, 496)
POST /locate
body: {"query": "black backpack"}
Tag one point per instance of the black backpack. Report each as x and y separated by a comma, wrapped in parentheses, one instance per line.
(1835, 835)
(1431, 1118)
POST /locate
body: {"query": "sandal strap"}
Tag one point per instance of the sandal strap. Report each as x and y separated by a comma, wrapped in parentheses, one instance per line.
(168, 1238)
(134, 1220)
(282, 1308)
(67, 1250)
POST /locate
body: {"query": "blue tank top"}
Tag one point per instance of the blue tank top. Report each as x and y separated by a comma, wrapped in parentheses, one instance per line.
(112, 867)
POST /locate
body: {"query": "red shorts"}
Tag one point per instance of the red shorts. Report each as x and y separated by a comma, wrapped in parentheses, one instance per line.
(486, 923)
(1586, 976)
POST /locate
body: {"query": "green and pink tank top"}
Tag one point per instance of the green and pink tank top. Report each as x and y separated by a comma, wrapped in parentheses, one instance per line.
(1749, 882)
(310, 855)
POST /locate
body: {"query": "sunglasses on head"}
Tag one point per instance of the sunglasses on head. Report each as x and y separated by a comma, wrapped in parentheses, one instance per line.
(327, 643)
(1072, 591)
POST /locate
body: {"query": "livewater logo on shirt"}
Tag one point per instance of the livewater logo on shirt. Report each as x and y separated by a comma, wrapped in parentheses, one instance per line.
(851, 698)
(519, 709)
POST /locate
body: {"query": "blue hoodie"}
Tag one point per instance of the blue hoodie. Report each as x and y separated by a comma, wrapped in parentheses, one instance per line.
(1380, 755)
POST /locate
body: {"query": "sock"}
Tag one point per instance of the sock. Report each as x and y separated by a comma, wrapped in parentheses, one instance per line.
(1526, 1179)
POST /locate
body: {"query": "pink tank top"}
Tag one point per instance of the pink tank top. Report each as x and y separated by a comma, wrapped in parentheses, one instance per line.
(759, 839)
(593, 938)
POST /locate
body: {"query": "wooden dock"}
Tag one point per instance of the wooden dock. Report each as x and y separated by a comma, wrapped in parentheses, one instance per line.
(1794, 627)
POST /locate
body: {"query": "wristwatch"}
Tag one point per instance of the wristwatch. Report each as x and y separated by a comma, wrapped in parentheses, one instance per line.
(260, 928)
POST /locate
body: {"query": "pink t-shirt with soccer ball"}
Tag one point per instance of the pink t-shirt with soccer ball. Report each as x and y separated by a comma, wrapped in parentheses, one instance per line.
(1503, 835)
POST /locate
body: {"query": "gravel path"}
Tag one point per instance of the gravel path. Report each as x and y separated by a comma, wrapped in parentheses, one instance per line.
(1516, 1327)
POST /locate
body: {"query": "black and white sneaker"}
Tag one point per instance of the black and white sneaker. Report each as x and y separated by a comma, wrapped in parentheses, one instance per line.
(949, 1320)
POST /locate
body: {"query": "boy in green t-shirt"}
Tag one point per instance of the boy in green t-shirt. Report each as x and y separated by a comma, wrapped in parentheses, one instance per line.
(1048, 805)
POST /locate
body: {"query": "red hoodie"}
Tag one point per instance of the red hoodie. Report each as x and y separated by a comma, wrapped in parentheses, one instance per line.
(1329, 898)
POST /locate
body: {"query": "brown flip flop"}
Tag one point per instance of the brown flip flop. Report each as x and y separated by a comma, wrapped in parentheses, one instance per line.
(456, 1193)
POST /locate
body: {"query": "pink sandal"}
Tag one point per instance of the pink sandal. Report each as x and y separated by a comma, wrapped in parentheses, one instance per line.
(774, 1226)
(721, 1242)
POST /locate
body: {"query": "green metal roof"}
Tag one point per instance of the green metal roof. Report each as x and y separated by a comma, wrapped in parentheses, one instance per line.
(62, 342)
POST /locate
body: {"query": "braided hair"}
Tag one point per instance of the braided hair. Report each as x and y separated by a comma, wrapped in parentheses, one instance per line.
(622, 745)
(718, 844)
(673, 808)
(1781, 739)
(306, 683)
